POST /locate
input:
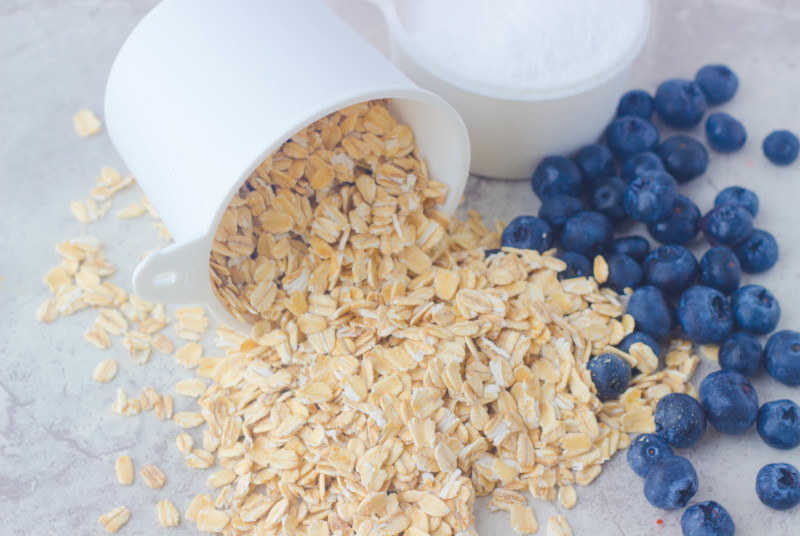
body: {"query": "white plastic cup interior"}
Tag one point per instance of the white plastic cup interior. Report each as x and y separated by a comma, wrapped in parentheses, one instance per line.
(203, 91)
(511, 130)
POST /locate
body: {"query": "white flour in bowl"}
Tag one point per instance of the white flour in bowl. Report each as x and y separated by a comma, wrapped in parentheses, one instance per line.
(524, 44)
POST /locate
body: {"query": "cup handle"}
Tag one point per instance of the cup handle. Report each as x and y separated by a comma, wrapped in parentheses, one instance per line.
(175, 274)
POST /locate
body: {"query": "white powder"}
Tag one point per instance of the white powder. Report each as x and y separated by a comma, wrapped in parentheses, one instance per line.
(524, 44)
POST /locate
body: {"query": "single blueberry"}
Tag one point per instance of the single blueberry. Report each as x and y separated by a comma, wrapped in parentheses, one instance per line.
(577, 265)
(707, 518)
(684, 157)
(671, 483)
(724, 133)
(623, 272)
(639, 163)
(556, 175)
(705, 315)
(736, 195)
(645, 451)
(718, 82)
(758, 253)
(636, 102)
(611, 375)
(681, 226)
(635, 247)
(671, 268)
(680, 419)
(651, 196)
(720, 269)
(642, 337)
(778, 424)
(755, 309)
(608, 198)
(680, 103)
(595, 162)
(730, 401)
(558, 209)
(527, 232)
(588, 233)
(781, 147)
(741, 352)
(629, 135)
(778, 486)
(727, 225)
(489, 252)
(652, 312)
(782, 356)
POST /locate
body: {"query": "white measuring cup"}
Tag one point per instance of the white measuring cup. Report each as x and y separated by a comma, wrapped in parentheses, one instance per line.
(511, 130)
(203, 91)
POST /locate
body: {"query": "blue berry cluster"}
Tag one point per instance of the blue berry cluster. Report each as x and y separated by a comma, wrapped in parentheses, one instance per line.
(635, 175)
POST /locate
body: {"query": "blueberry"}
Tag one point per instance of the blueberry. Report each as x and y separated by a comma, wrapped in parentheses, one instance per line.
(651, 196)
(782, 356)
(684, 157)
(778, 424)
(727, 225)
(588, 233)
(489, 252)
(577, 265)
(652, 312)
(781, 147)
(730, 401)
(642, 337)
(558, 209)
(608, 199)
(707, 518)
(556, 175)
(623, 272)
(636, 102)
(611, 375)
(755, 309)
(736, 195)
(680, 103)
(741, 352)
(671, 268)
(639, 163)
(720, 268)
(680, 419)
(718, 82)
(527, 232)
(724, 133)
(758, 253)
(629, 135)
(635, 247)
(778, 486)
(595, 162)
(705, 315)
(681, 226)
(671, 483)
(645, 451)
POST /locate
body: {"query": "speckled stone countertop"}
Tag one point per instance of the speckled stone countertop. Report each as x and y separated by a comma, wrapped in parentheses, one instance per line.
(58, 437)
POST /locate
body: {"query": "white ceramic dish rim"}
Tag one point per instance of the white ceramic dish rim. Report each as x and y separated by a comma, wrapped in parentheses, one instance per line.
(399, 33)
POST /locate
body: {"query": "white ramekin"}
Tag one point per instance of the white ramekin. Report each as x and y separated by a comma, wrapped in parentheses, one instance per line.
(509, 131)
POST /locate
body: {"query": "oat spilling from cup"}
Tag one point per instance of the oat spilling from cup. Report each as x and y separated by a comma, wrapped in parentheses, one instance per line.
(393, 372)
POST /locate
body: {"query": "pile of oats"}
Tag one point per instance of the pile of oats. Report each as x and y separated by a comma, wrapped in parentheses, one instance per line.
(393, 372)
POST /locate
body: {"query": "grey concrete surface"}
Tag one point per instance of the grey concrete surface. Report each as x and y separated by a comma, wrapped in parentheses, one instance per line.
(58, 437)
